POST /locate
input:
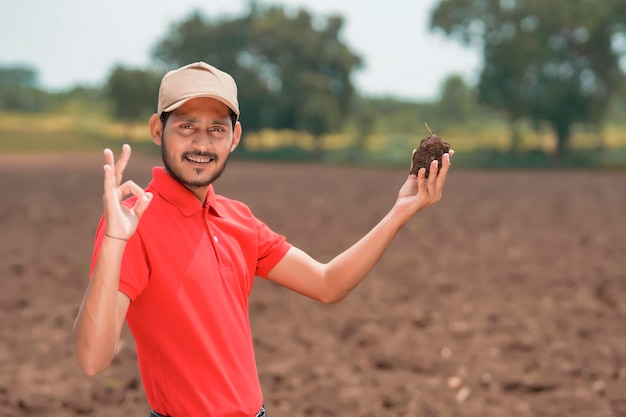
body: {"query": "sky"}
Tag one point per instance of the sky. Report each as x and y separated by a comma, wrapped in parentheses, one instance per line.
(72, 42)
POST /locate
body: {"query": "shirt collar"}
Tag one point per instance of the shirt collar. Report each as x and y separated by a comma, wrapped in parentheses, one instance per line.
(179, 195)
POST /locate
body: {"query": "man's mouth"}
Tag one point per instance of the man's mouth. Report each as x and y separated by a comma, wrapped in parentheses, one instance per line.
(199, 159)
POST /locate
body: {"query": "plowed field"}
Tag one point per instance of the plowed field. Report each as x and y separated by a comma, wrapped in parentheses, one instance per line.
(508, 298)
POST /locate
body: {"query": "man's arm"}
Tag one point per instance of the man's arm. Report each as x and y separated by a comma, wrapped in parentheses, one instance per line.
(101, 315)
(331, 282)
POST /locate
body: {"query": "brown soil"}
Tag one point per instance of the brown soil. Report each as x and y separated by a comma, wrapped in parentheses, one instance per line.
(430, 148)
(508, 298)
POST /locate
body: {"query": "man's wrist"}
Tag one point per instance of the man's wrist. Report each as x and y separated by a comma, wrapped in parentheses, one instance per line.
(115, 237)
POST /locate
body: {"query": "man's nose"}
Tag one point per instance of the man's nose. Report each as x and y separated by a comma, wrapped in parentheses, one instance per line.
(204, 139)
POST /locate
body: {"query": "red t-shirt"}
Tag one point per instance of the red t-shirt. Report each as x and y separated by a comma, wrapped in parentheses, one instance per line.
(189, 270)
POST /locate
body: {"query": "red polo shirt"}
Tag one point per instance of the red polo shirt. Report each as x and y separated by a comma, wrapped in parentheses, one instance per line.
(189, 270)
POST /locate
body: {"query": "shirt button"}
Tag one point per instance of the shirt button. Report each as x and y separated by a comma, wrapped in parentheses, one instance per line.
(215, 239)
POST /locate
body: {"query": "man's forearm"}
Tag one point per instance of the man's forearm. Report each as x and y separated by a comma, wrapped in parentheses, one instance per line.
(347, 269)
(97, 327)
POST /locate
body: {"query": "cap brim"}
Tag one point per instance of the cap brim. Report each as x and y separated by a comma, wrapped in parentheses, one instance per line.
(179, 103)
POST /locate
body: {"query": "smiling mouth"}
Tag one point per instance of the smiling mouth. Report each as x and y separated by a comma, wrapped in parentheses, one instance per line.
(199, 159)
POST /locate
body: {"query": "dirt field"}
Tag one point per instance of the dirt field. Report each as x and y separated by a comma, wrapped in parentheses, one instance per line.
(506, 299)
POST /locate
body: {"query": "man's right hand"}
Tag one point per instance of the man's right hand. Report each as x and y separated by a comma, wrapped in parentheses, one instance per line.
(101, 315)
(121, 222)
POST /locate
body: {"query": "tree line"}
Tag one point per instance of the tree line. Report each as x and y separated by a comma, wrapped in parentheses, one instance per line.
(548, 62)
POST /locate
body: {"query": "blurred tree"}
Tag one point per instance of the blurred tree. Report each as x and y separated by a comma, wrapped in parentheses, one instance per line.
(132, 92)
(19, 90)
(21, 76)
(456, 101)
(81, 99)
(292, 69)
(551, 61)
(81, 93)
(364, 119)
(401, 116)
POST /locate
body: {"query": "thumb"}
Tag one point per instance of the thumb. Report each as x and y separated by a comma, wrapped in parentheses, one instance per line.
(142, 204)
(412, 162)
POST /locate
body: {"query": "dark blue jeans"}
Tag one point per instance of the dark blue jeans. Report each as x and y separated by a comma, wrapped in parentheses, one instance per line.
(261, 413)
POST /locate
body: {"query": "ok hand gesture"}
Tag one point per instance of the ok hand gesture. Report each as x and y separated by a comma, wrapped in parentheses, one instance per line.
(121, 221)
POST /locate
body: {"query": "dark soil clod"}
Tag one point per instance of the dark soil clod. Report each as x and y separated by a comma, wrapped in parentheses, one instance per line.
(431, 148)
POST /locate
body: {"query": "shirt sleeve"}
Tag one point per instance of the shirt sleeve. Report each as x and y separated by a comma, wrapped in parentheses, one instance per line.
(134, 271)
(272, 248)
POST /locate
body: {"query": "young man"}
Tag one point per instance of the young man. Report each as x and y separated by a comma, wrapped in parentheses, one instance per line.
(177, 261)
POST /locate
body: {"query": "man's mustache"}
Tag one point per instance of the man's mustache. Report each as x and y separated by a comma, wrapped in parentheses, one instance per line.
(202, 155)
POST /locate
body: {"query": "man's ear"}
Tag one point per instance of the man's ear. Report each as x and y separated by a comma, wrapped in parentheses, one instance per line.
(156, 129)
(236, 136)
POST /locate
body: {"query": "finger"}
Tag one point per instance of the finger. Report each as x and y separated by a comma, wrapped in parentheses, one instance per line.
(451, 152)
(412, 155)
(441, 177)
(108, 157)
(122, 163)
(109, 177)
(142, 204)
(421, 182)
(131, 188)
(110, 198)
(432, 176)
(109, 180)
(431, 181)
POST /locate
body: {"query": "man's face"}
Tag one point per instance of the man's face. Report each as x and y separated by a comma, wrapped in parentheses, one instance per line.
(196, 142)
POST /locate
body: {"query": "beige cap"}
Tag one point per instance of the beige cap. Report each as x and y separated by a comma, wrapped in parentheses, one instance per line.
(193, 81)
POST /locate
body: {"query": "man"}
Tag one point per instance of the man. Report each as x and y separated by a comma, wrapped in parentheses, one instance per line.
(177, 261)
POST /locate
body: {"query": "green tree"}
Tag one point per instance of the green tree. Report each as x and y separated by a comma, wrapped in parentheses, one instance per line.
(19, 90)
(456, 101)
(18, 76)
(292, 69)
(550, 61)
(132, 92)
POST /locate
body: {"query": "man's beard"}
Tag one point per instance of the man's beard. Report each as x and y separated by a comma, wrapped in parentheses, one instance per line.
(191, 184)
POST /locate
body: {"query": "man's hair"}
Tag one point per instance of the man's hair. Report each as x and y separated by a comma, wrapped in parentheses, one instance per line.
(166, 115)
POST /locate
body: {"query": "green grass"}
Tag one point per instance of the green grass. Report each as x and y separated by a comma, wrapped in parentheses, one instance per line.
(67, 132)
(482, 146)
(28, 142)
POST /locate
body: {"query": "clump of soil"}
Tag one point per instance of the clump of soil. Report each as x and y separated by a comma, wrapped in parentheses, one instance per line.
(431, 148)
